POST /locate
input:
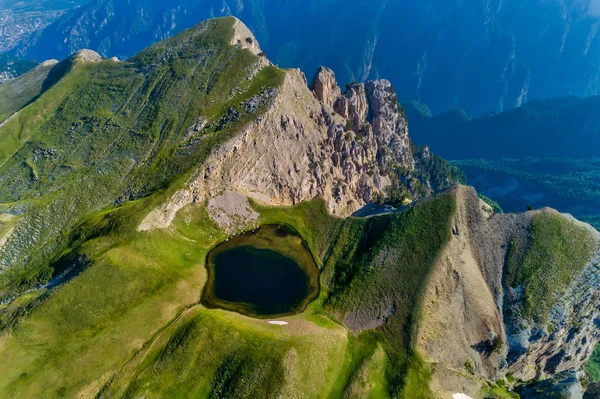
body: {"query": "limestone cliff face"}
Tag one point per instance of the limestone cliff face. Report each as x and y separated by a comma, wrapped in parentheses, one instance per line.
(471, 315)
(325, 87)
(349, 148)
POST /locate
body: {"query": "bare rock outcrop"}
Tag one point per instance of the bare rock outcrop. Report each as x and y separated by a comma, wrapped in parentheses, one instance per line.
(48, 63)
(231, 210)
(350, 154)
(353, 105)
(243, 37)
(298, 150)
(88, 56)
(325, 86)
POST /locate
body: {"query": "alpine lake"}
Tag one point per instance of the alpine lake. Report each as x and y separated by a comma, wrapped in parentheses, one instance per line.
(265, 273)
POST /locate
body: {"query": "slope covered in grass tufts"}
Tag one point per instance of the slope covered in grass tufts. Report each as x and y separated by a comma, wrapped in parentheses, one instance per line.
(557, 251)
(119, 131)
(376, 272)
(131, 323)
(19, 92)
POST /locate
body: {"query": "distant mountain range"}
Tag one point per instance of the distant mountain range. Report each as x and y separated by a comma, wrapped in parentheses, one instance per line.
(544, 153)
(558, 127)
(19, 19)
(11, 67)
(480, 55)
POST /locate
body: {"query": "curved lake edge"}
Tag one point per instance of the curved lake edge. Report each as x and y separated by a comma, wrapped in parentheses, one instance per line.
(280, 238)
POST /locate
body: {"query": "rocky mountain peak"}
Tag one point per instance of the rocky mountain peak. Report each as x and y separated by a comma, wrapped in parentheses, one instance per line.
(325, 87)
(242, 36)
(49, 63)
(372, 109)
(88, 56)
(353, 105)
(350, 149)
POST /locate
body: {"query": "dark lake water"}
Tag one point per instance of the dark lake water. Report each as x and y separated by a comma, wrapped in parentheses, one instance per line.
(265, 273)
(271, 282)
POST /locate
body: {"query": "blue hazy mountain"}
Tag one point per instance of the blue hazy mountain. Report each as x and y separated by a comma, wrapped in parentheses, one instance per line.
(19, 19)
(481, 55)
(557, 127)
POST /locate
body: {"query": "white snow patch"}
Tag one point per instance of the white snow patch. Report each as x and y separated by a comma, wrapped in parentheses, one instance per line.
(278, 323)
(461, 396)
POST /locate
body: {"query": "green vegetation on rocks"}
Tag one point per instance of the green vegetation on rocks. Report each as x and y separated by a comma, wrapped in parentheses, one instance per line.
(377, 270)
(495, 206)
(556, 252)
(120, 131)
(593, 366)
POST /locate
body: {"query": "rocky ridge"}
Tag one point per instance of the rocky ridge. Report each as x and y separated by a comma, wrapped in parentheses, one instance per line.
(350, 148)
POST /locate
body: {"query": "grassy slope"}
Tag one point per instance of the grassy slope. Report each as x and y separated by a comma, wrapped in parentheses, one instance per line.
(17, 93)
(132, 324)
(387, 257)
(558, 250)
(593, 366)
(137, 284)
(135, 310)
(117, 131)
(370, 259)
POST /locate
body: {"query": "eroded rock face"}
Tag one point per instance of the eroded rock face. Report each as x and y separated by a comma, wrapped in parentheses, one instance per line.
(325, 87)
(353, 105)
(567, 340)
(471, 316)
(350, 154)
(564, 385)
(389, 124)
(299, 150)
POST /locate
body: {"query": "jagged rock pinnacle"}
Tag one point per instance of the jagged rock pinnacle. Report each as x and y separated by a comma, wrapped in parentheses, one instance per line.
(325, 87)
